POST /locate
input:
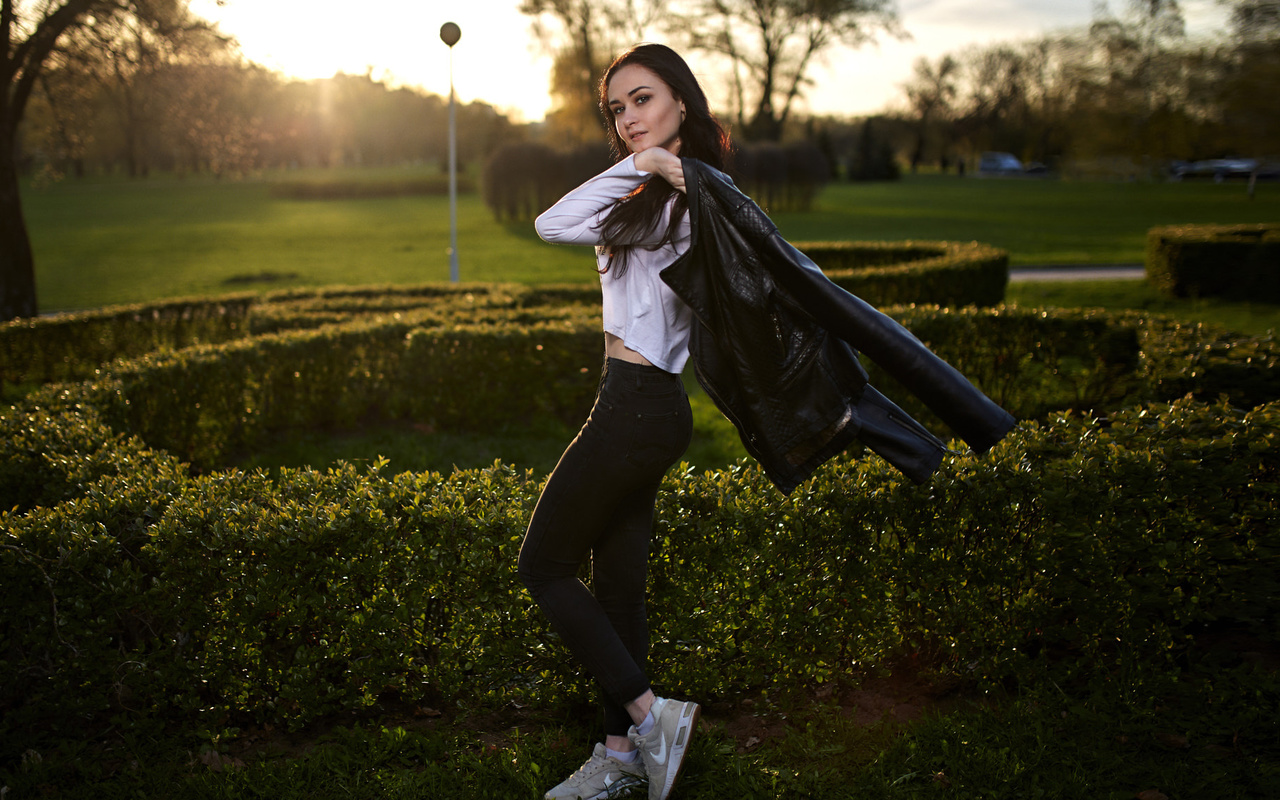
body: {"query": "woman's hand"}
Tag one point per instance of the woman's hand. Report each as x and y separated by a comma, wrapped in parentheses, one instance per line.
(659, 161)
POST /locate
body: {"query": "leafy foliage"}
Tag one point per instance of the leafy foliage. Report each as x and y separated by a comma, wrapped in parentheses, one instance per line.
(138, 589)
(236, 596)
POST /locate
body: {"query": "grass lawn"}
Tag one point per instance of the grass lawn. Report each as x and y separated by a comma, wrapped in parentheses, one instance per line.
(1038, 222)
(1254, 319)
(105, 242)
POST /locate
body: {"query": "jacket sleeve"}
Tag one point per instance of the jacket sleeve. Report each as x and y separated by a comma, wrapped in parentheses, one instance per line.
(940, 386)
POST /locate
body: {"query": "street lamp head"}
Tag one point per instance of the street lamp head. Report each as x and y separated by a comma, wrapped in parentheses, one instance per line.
(450, 33)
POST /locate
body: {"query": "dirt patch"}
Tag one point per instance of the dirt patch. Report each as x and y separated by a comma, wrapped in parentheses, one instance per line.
(896, 699)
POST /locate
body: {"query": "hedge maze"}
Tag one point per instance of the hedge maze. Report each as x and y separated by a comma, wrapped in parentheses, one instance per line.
(1134, 507)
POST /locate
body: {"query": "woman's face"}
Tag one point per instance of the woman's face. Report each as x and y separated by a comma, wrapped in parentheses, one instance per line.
(645, 111)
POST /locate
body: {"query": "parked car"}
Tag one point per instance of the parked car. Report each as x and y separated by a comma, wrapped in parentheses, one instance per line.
(993, 163)
(1217, 169)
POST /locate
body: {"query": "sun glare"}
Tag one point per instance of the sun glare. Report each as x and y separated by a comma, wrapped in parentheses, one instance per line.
(397, 41)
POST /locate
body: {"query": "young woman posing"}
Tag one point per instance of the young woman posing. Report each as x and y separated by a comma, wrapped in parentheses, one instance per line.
(598, 502)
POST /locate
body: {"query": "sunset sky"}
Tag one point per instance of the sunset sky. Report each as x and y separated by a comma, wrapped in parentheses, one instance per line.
(499, 61)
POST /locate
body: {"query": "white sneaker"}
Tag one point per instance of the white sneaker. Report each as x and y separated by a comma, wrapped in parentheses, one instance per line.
(601, 778)
(664, 748)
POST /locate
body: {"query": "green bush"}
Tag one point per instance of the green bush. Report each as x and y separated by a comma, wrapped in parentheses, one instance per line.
(54, 449)
(211, 403)
(138, 587)
(1236, 261)
(781, 177)
(208, 404)
(523, 179)
(72, 346)
(235, 596)
(927, 273)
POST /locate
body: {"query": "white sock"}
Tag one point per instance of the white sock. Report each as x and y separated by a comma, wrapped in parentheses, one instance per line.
(625, 756)
(644, 727)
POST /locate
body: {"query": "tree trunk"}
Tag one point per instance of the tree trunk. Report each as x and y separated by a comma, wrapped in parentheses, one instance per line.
(17, 267)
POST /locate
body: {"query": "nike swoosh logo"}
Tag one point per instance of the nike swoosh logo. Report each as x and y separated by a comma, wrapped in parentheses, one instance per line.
(661, 755)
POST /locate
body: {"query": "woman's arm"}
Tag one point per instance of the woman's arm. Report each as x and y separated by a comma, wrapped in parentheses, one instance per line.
(576, 217)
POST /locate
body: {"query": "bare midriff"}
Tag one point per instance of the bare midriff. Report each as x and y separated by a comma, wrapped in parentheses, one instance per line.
(614, 348)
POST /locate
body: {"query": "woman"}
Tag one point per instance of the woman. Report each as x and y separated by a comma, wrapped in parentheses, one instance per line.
(598, 502)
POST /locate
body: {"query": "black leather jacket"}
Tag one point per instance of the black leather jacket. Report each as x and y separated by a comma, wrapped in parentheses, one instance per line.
(774, 346)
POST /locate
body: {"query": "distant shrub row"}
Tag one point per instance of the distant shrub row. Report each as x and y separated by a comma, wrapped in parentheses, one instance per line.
(1234, 261)
(781, 177)
(235, 597)
(74, 346)
(523, 179)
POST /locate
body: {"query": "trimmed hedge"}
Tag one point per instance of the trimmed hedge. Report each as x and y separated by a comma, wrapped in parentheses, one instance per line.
(137, 587)
(1236, 261)
(235, 597)
(73, 347)
(1032, 361)
(208, 404)
(925, 273)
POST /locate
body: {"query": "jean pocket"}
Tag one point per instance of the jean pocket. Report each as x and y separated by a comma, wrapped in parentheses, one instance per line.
(658, 439)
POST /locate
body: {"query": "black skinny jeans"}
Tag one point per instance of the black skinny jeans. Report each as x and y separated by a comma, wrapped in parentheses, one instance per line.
(598, 503)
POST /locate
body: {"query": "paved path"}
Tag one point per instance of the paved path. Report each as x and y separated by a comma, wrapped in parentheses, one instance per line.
(1081, 272)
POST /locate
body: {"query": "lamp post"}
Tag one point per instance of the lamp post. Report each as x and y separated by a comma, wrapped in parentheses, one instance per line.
(450, 33)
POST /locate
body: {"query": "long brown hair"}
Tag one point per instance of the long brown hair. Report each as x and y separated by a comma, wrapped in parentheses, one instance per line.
(701, 137)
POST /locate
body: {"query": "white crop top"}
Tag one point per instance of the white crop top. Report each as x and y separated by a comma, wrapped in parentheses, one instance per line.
(639, 308)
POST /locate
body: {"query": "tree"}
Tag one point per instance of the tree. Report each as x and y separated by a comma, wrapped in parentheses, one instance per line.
(139, 57)
(583, 36)
(1251, 71)
(771, 45)
(31, 33)
(996, 106)
(931, 91)
(1140, 85)
(29, 40)
(1254, 20)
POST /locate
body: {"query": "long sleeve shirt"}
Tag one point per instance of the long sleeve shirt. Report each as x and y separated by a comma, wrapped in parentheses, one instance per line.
(639, 308)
